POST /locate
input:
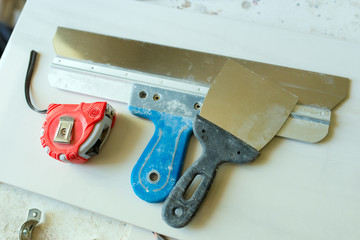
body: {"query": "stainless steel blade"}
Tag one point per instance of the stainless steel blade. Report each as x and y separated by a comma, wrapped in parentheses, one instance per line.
(107, 67)
(246, 105)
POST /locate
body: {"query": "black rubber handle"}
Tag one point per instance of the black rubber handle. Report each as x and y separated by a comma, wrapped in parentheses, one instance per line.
(219, 146)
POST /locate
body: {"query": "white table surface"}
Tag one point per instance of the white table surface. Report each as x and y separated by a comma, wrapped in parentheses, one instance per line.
(294, 190)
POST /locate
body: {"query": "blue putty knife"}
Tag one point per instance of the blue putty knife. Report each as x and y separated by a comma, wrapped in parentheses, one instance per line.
(160, 164)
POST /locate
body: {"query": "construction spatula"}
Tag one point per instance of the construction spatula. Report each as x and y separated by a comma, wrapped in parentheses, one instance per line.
(241, 113)
(108, 66)
(160, 164)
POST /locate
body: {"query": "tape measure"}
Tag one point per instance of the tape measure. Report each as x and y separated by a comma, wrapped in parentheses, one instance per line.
(72, 133)
(75, 132)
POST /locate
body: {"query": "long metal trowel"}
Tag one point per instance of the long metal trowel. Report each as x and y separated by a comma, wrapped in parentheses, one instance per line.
(241, 113)
(107, 67)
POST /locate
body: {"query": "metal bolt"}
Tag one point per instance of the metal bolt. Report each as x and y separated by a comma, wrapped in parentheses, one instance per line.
(143, 94)
(197, 106)
(156, 97)
(63, 131)
(178, 211)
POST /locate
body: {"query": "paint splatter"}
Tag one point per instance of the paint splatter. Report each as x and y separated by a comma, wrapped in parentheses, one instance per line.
(246, 4)
(255, 2)
(215, 12)
(186, 4)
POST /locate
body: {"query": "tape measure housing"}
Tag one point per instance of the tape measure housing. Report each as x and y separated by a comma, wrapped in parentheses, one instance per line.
(75, 132)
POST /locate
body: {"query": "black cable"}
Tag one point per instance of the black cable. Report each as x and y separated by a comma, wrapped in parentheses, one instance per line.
(29, 73)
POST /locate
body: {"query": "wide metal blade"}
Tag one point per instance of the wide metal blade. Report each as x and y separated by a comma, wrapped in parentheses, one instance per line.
(313, 89)
(246, 105)
(106, 67)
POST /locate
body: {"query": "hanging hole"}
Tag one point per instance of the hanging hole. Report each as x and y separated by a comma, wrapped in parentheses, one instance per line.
(203, 131)
(178, 211)
(142, 94)
(238, 152)
(156, 97)
(193, 186)
(197, 106)
(153, 176)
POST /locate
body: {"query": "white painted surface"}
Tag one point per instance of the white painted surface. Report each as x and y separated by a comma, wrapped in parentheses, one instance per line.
(339, 19)
(57, 222)
(295, 190)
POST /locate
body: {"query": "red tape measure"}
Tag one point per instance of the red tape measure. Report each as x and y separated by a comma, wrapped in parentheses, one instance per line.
(72, 132)
(75, 132)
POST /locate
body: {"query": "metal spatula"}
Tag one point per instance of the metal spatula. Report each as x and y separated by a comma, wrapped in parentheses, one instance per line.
(107, 67)
(241, 113)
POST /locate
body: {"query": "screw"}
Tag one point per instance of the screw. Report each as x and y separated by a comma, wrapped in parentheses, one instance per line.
(142, 94)
(178, 211)
(63, 131)
(197, 106)
(204, 137)
(156, 97)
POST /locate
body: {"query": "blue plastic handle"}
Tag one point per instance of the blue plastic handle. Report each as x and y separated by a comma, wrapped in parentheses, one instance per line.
(160, 165)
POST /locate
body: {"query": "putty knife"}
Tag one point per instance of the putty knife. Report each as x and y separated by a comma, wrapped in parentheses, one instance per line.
(159, 166)
(241, 113)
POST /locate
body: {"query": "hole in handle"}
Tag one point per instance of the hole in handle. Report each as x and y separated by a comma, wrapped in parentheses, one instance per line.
(153, 176)
(143, 94)
(193, 186)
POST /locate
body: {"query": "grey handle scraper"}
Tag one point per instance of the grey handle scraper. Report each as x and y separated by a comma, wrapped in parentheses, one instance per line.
(241, 113)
